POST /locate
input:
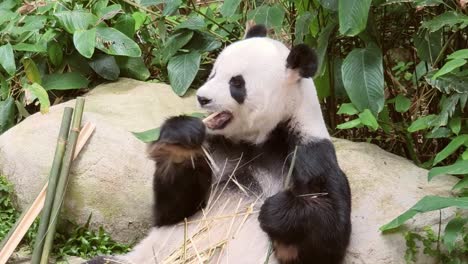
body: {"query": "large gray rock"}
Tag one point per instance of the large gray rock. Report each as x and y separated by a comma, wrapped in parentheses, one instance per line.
(112, 179)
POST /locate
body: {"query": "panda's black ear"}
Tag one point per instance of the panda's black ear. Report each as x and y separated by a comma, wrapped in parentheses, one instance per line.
(303, 61)
(256, 31)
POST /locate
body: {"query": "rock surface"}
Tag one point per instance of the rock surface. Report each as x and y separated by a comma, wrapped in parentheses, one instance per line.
(112, 179)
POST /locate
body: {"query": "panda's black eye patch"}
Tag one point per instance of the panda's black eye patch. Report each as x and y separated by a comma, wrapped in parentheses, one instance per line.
(237, 88)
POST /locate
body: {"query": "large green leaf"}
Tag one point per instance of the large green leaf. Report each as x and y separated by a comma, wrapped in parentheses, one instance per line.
(229, 7)
(428, 44)
(64, 81)
(173, 44)
(55, 53)
(330, 4)
(114, 42)
(182, 70)
(303, 22)
(449, 83)
(106, 67)
(125, 24)
(459, 54)
(109, 12)
(322, 46)
(202, 42)
(41, 94)
(426, 204)
(76, 20)
(38, 47)
(7, 114)
(84, 41)
(31, 70)
(368, 119)
(353, 16)
(458, 168)
(363, 78)
(7, 59)
(450, 66)
(193, 23)
(421, 123)
(402, 104)
(450, 19)
(452, 230)
(270, 16)
(171, 6)
(455, 144)
(133, 67)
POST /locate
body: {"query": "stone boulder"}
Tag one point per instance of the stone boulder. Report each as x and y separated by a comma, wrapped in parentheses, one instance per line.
(112, 178)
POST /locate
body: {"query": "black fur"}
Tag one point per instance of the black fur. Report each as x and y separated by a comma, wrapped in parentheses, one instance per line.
(185, 131)
(237, 88)
(319, 227)
(257, 31)
(182, 179)
(304, 59)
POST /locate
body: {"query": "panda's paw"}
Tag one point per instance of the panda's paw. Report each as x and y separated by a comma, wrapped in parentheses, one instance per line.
(180, 137)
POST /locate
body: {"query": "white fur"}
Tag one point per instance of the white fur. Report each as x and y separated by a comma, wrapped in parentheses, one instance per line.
(274, 93)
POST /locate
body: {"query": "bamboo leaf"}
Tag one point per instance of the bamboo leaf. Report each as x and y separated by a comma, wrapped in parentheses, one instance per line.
(149, 135)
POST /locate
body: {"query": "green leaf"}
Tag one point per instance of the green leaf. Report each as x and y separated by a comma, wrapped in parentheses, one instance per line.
(109, 12)
(7, 114)
(363, 78)
(452, 230)
(330, 4)
(84, 41)
(421, 123)
(347, 109)
(193, 23)
(353, 16)
(64, 81)
(426, 204)
(463, 183)
(171, 7)
(202, 42)
(41, 94)
(440, 132)
(4, 88)
(149, 135)
(133, 67)
(182, 70)
(402, 104)
(76, 20)
(464, 155)
(458, 168)
(229, 7)
(449, 67)
(368, 119)
(450, 19)
(55, 53)
(455, 124)
(350, 124)
(303, 22)
(174, 43)
(114, 42)
(31, 70)
(428, 44)
(449, 83)
(450, 148)
(270, 16)
(140, 19)
(459, 54)
(39, 47)
(7, 59)
(106, 67)
(126, 24)
(322, 46)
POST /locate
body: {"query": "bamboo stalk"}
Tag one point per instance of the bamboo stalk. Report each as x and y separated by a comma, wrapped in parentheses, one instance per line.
(53, 179)
(63, 180)
(27, 218)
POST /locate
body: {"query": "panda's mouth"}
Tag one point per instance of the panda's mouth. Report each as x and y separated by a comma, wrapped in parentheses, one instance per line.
(219, 120)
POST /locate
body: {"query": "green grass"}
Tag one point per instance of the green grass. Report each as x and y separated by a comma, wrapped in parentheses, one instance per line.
(80, 241)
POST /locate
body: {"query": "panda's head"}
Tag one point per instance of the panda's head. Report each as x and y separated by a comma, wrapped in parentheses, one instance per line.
(255, 84)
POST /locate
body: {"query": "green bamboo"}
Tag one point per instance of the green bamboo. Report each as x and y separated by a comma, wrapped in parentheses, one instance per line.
(53, 178)
(63, 179)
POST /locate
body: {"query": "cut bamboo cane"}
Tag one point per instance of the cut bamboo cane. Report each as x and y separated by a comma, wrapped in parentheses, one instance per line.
(29, 215)
(63, 180)
(53, 179)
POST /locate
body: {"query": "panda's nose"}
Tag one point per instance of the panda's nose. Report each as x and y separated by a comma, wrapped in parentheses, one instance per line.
(203, 100)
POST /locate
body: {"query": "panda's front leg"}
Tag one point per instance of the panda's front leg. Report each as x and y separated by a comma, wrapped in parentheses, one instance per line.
(182, 178)
(309, 222)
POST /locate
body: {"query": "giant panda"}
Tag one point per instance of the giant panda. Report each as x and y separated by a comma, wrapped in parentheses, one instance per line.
(221, 188)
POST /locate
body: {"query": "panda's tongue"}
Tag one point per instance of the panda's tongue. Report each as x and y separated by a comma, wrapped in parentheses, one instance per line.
(218, 120)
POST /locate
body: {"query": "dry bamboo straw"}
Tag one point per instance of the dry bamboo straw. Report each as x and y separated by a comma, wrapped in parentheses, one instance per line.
(27, 218)
(63, 179)
(53, 179)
